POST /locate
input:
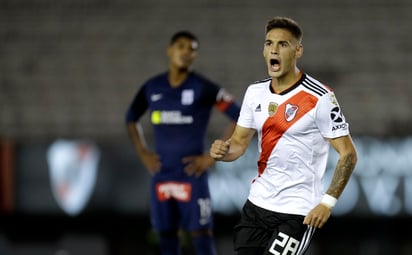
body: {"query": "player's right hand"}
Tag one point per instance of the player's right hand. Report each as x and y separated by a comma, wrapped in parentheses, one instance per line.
(318, 216)
(151, 161)
(219, 149)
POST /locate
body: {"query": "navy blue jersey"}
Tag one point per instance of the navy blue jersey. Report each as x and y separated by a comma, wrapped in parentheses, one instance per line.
(180, 116)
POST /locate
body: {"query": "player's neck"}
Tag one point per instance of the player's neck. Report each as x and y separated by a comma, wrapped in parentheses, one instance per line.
(283, 83)
(177, 76)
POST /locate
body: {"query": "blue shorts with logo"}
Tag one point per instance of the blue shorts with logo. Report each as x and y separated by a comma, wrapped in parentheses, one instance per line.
(181, 203)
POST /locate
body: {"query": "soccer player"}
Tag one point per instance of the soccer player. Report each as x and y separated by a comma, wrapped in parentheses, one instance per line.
(180, 103)
(296, 118)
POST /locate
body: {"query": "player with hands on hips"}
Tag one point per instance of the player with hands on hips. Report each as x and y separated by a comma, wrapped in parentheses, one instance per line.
(180, 103)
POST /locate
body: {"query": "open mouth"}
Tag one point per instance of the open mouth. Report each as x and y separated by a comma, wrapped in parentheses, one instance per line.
(274, 62)
(274, 65)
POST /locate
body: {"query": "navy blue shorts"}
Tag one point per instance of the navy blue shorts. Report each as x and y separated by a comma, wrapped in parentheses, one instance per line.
(181, 204)
(261, 231)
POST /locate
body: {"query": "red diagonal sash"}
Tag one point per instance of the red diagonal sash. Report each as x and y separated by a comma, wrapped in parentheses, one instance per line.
(276, 125)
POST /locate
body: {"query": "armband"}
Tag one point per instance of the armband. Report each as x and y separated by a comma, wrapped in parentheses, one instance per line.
(329, 201)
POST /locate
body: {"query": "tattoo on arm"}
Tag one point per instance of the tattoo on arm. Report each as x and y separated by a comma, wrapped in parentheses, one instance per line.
(343, 171)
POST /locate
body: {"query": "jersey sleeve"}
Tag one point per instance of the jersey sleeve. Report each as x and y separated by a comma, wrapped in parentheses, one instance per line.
(138, 106)
(226, 103)
(329, 117)
(223, 100)
(246, 113)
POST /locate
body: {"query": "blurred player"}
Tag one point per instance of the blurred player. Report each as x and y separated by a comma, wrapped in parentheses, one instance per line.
(180, 102)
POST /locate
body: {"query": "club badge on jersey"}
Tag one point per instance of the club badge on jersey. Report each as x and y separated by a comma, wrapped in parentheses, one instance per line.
(272, 108)
(290, 112)
(73, 171)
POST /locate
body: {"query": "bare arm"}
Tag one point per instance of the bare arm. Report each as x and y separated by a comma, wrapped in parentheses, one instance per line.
(135, 132)
(345, 165)
(149, 159)
(234, 147)
(318, 216)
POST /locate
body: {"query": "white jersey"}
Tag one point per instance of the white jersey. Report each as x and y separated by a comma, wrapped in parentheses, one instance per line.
(292, 129)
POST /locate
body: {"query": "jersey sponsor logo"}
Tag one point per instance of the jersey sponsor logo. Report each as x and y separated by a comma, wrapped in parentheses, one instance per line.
(340, 126)
(272, 108)
(156, 97)
(338, 119)
(188, 96)
(170, 117)
(174, 190)
(290, 112)
(336, 115)
(284, 245)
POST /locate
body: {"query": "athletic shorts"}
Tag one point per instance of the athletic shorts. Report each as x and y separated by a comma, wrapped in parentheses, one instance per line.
(271, 232)
(181, 204)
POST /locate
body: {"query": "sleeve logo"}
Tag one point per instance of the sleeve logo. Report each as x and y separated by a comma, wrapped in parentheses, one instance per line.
(336, 115)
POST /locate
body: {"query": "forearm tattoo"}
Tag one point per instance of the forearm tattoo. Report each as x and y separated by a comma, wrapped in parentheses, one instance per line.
(343, 171)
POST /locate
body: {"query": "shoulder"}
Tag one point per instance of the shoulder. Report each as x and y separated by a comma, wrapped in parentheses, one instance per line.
(325, 94)
(155, 83)
(315, 87)
(260, 85)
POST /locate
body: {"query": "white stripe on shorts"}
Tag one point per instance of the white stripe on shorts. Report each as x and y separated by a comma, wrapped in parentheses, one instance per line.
(304, 243)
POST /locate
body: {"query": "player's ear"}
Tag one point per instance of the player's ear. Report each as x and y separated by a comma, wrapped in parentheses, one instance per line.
(299, 51)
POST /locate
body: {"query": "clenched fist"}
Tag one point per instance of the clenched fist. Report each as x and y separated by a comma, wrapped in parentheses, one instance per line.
(219, 149)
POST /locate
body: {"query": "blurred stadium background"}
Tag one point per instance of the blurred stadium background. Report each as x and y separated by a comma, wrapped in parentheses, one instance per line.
(68, 70)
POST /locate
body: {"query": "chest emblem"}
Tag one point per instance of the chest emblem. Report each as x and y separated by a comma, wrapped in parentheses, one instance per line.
(290, 112)
(188, 96)
(272, 108)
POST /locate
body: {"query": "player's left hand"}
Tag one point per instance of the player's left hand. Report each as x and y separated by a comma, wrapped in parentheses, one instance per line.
(197, 165)
(318, 216)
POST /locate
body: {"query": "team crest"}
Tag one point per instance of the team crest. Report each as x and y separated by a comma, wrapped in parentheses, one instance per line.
(73, 171)
(290, 112)
(188, 97)
(333, 99)
(272, 108)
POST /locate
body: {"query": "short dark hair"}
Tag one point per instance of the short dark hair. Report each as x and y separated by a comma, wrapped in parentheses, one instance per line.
(287, 23)
(184, 34)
